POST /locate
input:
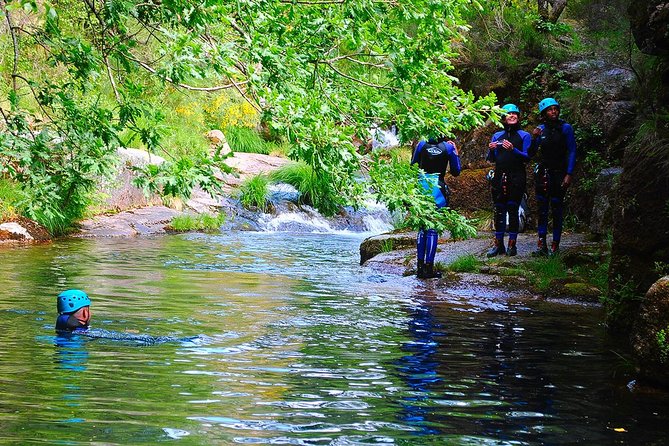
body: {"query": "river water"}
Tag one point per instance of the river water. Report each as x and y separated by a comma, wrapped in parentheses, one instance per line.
(284, 339)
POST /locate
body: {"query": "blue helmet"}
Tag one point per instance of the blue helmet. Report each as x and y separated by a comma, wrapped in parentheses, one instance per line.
(511, 108)
(547, 102)
(70, 301)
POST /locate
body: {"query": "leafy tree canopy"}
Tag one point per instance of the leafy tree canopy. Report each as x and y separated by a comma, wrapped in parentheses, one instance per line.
(319, 71)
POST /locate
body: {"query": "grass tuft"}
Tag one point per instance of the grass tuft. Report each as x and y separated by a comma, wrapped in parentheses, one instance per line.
(244, 139)
(467, 263)
(199, 222)
(253, 193)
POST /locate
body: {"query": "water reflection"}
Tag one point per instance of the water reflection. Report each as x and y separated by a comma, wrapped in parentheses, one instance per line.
(296, 344)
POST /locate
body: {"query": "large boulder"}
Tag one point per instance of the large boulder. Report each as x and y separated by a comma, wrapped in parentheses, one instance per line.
(650, 335)
(649, 21)
(605, 189)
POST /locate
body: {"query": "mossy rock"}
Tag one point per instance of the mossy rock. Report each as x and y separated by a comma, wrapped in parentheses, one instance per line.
(377, 244)
(582, 290)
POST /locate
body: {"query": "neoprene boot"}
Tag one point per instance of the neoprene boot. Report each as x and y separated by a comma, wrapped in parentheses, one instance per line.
(420, 269)
(542, 249)
(430, 273)
(511, 250)
(497, 249)
(555, 248)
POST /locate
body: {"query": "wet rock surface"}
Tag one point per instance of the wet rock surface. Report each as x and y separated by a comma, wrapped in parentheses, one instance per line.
(500, 272)
(650, 335)
(22, 230)
(143, 221)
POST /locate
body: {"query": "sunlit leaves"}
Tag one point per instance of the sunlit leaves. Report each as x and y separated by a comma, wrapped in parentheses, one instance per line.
(397, 186)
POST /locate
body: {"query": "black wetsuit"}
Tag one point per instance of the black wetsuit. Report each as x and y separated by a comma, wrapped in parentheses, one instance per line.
(434, 157)
(509, 182)
(555, 152)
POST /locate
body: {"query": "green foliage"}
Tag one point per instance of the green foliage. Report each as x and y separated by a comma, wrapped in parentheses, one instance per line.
(397, 186)
(593, 163)
(315, 190)
(317, 72)
(387, 245)
(9, 199)
(198, 222)
(56, 167)
(178, 178)
(544, 80)
(253, 193)
(546, 270)
(662, 268)
(620, 299)
(467, 263)
(244, 139)
(663, 344)
(555, 29)
(506, 38)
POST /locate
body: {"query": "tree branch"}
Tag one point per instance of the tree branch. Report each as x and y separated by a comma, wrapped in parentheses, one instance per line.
(152, 70)
(15, 42)
(359, 81)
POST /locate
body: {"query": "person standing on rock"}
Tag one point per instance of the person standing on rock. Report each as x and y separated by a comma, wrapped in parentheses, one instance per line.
(433, 157)
(508, 149)
(554, 145)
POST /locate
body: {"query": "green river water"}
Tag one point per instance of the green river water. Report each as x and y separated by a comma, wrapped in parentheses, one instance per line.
(283, 339)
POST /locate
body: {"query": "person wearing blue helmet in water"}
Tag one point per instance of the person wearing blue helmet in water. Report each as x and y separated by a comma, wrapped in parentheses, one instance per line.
(433, 156)
(74, 311)
(508, 149)
(554, 146)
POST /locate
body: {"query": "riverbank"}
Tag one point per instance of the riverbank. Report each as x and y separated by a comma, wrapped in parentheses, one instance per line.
(503, 273)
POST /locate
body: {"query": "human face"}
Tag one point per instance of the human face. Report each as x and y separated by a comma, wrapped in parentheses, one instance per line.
(511, 118)
(552, 112)
(83, 315)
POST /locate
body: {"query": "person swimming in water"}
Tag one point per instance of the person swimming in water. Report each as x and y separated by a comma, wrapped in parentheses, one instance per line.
(74, 311)
(74, 316)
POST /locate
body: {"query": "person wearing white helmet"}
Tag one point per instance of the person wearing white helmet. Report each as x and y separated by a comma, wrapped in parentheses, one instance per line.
(554, 146)
(508, 150)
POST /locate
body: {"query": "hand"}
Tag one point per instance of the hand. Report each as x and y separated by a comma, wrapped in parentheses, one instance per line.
(566, 181)
(508, 145)
(537, 132)
(493, 145)
(455, 148)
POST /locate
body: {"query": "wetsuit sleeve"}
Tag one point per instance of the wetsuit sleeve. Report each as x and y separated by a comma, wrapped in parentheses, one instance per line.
(416, 153)
(453, 161)
(568, 132)
(536, 142)
(523, 151)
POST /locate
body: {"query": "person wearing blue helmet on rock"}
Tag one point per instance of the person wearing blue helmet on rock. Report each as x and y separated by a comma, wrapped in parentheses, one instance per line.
(554, 146)
(433, 156)
(74, 311)
(508, 149)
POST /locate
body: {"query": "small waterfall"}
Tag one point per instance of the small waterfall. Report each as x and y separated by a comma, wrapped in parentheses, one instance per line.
(308, 219)
(288, 216)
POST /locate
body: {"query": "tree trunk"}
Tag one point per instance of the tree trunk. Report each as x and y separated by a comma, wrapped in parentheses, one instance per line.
(550, 10)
